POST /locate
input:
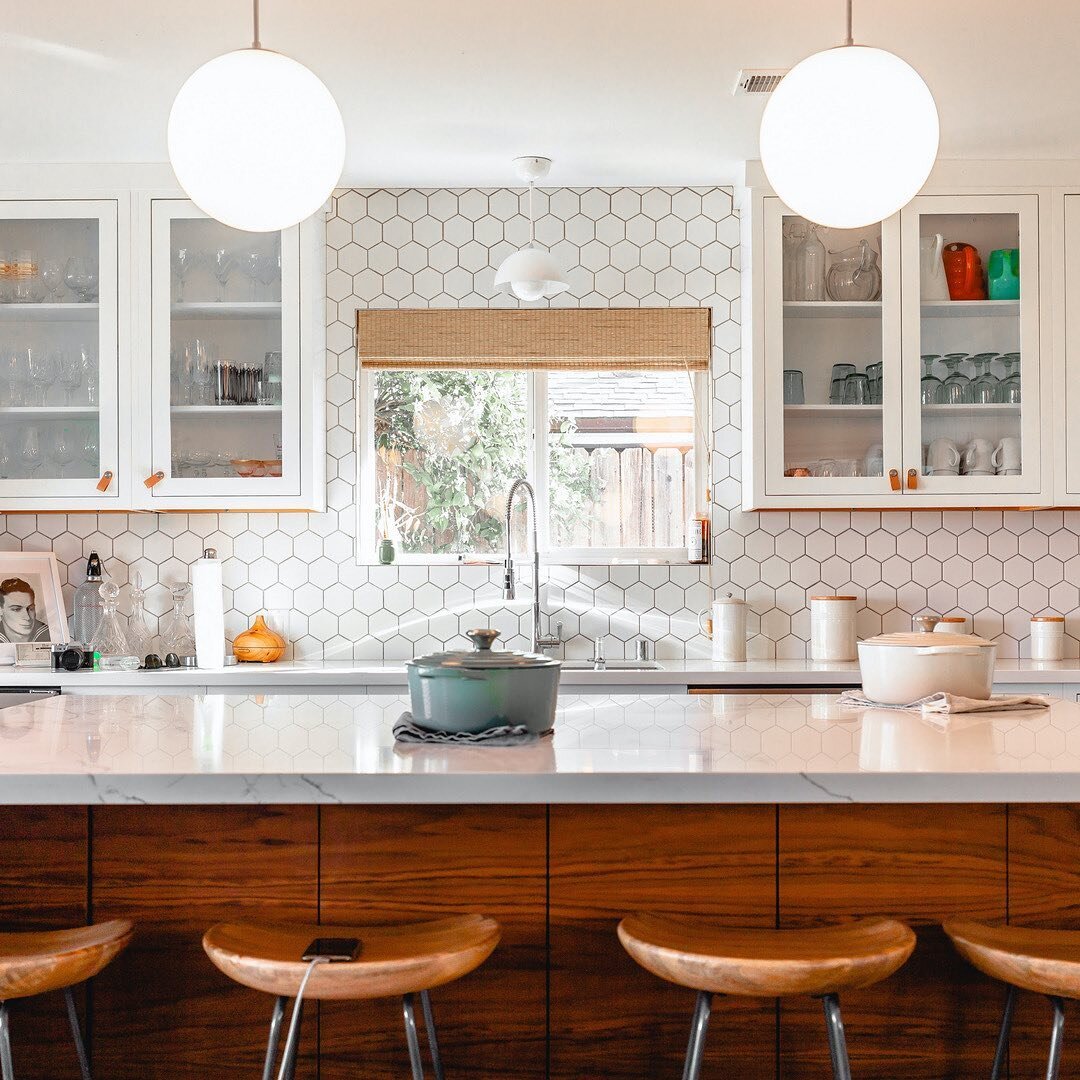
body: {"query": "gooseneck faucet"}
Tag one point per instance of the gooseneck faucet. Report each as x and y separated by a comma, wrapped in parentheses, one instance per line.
(538, 640)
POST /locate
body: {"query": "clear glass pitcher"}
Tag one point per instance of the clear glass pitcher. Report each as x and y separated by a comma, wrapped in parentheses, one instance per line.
(854, 274)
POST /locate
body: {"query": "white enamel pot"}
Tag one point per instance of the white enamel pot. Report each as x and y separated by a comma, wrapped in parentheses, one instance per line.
(896, 674)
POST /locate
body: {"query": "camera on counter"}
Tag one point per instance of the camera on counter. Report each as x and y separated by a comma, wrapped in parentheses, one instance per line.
(68, 656)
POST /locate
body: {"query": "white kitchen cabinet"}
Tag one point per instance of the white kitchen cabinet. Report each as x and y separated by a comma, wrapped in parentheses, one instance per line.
(235, 375)
(823, 453)
(63, 412)
(1067, 334)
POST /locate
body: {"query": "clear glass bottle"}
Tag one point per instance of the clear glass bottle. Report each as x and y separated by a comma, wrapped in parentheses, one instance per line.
(109, 640)
(810, 267)
(140, 636)
(87, 607)
(177, 635)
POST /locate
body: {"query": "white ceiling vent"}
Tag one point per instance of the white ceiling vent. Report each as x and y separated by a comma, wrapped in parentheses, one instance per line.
(758, 80)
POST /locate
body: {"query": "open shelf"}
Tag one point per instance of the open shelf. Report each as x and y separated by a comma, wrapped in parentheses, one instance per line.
(49, 312)
(49, 412)
(998, 409)
(228, 309)
(970, 309)
(832, 309)
(836, 411)
(195, 412)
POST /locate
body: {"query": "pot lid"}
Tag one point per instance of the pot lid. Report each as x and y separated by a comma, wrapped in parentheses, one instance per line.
(916, 640)
(483, 655)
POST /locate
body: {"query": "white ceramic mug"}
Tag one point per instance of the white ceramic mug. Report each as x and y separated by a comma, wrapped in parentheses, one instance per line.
(977, 457)
(1006, 456)
(943, 456)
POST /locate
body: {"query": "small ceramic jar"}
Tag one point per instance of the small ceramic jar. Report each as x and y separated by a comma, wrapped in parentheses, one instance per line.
(832, 628)
(725, 623)
(1047, 637)
(953, 624)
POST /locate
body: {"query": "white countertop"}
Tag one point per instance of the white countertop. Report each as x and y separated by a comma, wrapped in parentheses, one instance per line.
(607, 748)
(358, 676)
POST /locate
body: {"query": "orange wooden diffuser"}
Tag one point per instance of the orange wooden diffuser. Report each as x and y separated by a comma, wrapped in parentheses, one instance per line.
(259, 644)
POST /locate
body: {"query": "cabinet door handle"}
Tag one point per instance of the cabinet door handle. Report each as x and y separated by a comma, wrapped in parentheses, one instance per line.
(105, 481)
(912, 479)
(894, 479)
(153, 481)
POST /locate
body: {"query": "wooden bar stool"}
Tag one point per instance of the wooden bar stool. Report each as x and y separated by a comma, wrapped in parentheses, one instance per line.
(1044, 961)
(36, 962)
(767, 963)
(393, 960)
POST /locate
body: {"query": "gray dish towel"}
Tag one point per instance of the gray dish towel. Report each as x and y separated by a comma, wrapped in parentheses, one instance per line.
(942, 702)
(407, 731)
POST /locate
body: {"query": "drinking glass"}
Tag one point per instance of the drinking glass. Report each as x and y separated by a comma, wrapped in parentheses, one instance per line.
(857, 389)
(90, 448)
(836, 385)
(203, 374)
(7, 277)
(985, 387)
(43, 373)
(931, 388)
(184, 259)
(197, 458)
(52, 276)
(957, 386)
(16, 377)
(7, 462)
(79, 278)
(873, 373)
(256, 266)
(70, 364)
(793, 388)
(826, 467)
(1010, 385)
(89, 363)
(223, 263)
(62, 450)
(30, 454)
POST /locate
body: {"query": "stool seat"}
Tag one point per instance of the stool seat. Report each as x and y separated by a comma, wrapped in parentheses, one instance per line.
(35, 962)
(766, 963)
(393, 960)
(1045, 961)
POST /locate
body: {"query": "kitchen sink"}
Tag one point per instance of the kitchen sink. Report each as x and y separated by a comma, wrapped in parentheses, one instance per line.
(611, 665)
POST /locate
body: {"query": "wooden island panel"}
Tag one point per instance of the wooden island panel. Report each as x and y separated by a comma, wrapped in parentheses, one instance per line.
(394, 864)
(610, 1018)
(43, 886)
(162, 1011)
(936, 1017)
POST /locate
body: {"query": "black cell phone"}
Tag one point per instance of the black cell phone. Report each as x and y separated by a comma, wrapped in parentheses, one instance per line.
(333, 949)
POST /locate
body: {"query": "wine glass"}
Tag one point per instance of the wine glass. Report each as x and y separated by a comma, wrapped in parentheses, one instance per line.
(1010, 385)
(223, 263)
(957, 385)
(52, 275)
(89, 363)
(71, 372)
(79, 277)
(184, 259)
(62, 450)
(6, 460)
(43, 373)
(16, 377)
(203, 373)
(30, 454)
(197, 458)
(256, 267)
(90, 448)
(931, 388)
(985, 387)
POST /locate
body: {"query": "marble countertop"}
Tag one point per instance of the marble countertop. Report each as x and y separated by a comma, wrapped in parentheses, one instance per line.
(647, 748)
(360, 675)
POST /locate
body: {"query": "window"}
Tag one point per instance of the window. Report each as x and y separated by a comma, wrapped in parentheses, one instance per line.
(610, 450)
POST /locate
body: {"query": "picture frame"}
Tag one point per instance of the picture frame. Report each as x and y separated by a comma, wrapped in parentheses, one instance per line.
(31, 600)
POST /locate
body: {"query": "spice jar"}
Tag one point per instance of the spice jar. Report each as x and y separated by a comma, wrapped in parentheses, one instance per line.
(832, 628)
(1047, 637)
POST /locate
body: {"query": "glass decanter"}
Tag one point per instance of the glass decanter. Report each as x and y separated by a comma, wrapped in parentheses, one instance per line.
(109, 639)
(140, 636)
(177, 635)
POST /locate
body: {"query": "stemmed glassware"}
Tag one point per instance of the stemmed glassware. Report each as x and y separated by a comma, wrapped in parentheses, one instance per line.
(62, 450)
(52, 275)
(258, 268)
(16, 377)
(931, 388)
(81, 277)
(71, 372)
(985, 387)
(30, 454)
(184, 259)
(43, 373)
(957, 385)
(90, 448)
(1010, 385)
(6, 460)
(223, 262)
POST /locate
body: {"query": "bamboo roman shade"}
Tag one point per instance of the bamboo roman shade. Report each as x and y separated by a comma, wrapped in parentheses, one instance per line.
(598, 339)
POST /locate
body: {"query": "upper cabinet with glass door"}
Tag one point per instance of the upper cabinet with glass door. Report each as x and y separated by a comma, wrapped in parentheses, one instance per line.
(971, 331)
(60, 441)
(828, 365)
(236, 365)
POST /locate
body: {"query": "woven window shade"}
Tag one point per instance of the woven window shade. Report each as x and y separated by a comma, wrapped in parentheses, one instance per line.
(591, 339)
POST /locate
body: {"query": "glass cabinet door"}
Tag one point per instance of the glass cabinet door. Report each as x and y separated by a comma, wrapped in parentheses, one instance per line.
(58, 351)
(832, 362)
(225, 364)
(971, 344)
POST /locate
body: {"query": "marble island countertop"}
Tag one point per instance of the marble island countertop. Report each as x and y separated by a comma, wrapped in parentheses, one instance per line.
(634, 748)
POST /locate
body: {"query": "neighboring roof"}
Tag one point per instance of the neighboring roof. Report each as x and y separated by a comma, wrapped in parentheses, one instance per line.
(614, 393)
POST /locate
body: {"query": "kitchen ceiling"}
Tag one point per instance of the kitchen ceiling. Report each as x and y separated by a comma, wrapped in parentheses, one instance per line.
(444, 93)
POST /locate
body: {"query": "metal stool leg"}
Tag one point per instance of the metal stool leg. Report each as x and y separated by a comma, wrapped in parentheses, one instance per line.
(292, 1044)
(695, 1050)
(834, 1027)
(412, 1037)
(275, 1034)
(1003, 1034)
(76, 1031)
(433, 1042)
(1057, 1033)
(6, 1069)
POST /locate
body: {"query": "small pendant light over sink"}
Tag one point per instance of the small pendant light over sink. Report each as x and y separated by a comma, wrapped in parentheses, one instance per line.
(850, 135)
(256, 139)
(531, 273)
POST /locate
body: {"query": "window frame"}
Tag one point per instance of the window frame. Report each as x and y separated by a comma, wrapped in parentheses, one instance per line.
(536, 474)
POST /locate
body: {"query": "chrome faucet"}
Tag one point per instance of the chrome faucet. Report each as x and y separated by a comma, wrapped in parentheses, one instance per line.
(539, 642)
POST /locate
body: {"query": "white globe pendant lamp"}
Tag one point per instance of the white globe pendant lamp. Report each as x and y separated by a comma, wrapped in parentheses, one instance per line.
(850, 135)
(255, 138)
(532, 273)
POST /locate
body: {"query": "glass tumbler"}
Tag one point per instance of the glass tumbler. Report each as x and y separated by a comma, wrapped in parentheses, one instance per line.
(857, 389)
(836, 386)
(793, 388)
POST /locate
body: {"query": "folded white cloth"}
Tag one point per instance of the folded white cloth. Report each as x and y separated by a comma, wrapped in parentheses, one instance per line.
(949, 703)
(407, 730)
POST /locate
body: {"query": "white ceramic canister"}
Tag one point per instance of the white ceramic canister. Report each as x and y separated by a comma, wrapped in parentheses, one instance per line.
(832, 628)
(1047, 637)
(953, 624)
(726, 625)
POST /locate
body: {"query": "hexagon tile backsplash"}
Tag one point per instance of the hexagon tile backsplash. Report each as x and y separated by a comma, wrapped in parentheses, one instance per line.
(620, 247)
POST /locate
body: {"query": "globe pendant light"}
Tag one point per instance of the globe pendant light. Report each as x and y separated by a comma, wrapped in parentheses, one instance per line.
(255, 139)
(531, 273)
(849, 136)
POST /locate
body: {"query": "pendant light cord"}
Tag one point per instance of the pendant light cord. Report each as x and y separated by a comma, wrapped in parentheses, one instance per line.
(850, 39)
(532, 220)
(255, 43)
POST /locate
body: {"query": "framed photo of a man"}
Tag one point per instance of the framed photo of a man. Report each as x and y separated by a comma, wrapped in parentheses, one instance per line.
(31, 603)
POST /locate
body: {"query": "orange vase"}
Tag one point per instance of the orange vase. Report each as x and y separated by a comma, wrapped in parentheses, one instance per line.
(259, 644)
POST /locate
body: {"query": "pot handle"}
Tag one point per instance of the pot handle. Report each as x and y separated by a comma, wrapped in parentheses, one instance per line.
(955, 650)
